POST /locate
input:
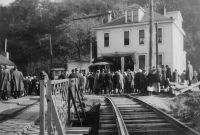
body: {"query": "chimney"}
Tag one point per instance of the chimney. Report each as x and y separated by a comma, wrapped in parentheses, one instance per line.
(126, 17)
(164, 11)
(109, 16)
(7, 55)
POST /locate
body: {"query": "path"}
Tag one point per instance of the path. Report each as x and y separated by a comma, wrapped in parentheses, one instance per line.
(18, 115)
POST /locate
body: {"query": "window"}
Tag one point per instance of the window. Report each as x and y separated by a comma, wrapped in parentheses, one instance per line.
(141, 61)
(160, 59)
(129, 16)
(126, 37)
(141, 37)
(106, 39)
(159, 35)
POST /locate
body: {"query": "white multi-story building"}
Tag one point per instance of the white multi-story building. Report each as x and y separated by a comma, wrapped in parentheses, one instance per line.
(128, 37)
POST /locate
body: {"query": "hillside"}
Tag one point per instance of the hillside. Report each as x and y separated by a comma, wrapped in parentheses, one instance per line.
(28, 24)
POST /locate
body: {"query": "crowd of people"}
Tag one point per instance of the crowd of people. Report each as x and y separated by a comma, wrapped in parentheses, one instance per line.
(14, 85)
(107, 82)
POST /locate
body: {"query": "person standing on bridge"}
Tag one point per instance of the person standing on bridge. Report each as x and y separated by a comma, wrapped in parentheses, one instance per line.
(189, 73)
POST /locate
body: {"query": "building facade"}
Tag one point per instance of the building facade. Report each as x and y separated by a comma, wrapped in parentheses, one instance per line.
(127, 38)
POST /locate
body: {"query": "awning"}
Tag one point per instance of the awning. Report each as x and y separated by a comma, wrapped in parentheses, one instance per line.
(100, 64)
(117, 54)
(121, 54)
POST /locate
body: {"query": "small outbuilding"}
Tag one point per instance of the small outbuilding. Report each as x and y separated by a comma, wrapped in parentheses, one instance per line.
(5, 61)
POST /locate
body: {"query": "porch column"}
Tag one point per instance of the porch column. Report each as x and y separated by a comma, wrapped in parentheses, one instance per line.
(122, 64)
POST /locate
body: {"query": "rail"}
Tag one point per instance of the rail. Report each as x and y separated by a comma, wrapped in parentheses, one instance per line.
(187, 130)
(120, 122)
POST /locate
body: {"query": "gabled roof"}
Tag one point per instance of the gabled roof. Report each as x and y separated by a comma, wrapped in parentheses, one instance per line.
(121, 20)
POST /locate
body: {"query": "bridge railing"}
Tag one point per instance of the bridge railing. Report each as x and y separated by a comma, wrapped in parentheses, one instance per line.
(57, 96)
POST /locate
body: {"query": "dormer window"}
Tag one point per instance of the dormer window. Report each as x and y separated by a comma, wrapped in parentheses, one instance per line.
(129, 16)
(134, 13)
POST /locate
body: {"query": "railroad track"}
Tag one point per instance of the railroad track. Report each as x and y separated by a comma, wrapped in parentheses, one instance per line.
(126, 115)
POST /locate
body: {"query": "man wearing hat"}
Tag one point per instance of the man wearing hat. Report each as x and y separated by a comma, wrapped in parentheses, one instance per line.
(76, 73)
(72, 75)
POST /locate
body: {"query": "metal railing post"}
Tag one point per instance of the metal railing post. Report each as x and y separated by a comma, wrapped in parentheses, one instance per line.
(49, 108)
(42, 107)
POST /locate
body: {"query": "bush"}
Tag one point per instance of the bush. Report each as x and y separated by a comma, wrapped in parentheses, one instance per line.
(185, 114)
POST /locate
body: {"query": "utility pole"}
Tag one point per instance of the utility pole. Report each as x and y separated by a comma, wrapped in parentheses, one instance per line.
(6, 41)
(157, 46)
(151, 14)
(90, 47)
(51, 52)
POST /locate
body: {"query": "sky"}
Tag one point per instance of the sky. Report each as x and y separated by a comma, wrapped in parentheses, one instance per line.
(5, 2)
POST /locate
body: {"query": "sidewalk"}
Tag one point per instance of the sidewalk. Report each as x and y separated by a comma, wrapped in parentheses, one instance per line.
(18, 115)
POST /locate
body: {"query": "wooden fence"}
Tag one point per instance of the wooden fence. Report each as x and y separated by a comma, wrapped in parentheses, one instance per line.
(57, 95)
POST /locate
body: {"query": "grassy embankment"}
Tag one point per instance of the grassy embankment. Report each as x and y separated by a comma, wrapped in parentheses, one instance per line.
(187, 108)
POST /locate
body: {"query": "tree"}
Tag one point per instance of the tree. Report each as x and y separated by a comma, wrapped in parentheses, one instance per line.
(77, 34)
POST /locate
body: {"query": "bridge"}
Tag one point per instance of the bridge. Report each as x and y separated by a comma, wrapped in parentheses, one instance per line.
(120, 114)
(61, 109)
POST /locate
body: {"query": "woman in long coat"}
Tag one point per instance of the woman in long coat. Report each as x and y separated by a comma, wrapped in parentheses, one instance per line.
(120, 82)
(156, 81)
(189, 73)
